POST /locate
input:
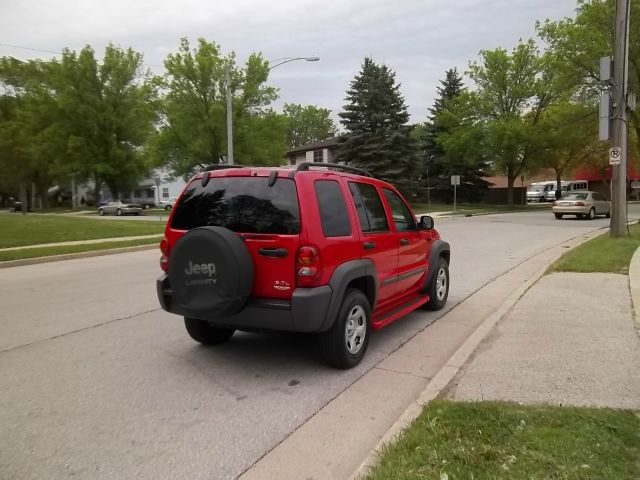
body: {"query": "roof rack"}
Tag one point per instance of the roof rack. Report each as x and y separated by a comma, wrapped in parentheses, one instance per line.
(304, 167)
(221, 166)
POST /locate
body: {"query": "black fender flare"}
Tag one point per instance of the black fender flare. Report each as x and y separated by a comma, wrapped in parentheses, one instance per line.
(440, 248)
(343, 275)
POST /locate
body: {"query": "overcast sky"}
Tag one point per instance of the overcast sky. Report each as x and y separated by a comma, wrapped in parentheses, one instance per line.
(419, 39)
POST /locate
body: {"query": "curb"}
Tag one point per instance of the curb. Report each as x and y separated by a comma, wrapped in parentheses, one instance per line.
(458, 360)
(71, 256)
(634, 287)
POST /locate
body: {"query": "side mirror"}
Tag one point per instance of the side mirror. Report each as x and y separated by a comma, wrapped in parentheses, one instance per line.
(426, 222)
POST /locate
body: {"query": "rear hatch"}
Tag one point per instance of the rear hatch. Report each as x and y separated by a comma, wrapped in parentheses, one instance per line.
(266, 217)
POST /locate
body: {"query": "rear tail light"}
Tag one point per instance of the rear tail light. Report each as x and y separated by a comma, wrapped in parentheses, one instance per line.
(307, 266)
(579, 204)
(164, 249)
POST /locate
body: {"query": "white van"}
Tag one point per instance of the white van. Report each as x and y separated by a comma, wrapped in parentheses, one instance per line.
(568, 186)
(538, 190)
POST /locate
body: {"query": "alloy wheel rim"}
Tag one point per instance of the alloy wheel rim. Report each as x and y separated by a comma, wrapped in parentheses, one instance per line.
(441, 283)
(355, 329)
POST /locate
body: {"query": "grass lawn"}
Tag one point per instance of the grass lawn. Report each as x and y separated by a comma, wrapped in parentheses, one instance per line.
(474, 208)
(48, 251)
(18, 230)
(497, 440)
(602, 254)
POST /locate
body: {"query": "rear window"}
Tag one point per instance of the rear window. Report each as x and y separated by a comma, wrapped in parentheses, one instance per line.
(575, 196)
(241, 204)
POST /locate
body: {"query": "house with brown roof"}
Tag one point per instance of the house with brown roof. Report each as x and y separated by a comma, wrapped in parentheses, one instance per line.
(318, 151)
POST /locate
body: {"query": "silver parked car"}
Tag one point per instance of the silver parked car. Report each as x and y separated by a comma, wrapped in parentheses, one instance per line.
(582, 204)
(119, 208)
(168, 203)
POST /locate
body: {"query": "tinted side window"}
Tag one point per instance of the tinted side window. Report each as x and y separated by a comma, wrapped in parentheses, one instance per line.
(241, 204)
(402, 217)
(370, 210)
(333, 209)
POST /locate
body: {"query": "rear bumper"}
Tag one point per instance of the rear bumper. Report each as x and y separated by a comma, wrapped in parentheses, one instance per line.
(571, 210)
(305, 312)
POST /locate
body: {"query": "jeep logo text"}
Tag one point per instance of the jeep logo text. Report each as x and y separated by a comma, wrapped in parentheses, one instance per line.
(208, 269)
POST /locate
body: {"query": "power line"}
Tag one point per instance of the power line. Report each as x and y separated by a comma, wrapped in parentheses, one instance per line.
(58, 53)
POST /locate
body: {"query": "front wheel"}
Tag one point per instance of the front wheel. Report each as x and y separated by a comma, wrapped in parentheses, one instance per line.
(205, 333)
(592, 214)
(608, 214)
(167, 208)
(345, 344)
(439, 288)
(101, 212)
(119, 212)
(558, 216)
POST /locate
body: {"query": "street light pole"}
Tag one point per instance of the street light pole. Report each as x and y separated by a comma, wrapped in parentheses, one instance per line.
(230, 98)
(229, 117)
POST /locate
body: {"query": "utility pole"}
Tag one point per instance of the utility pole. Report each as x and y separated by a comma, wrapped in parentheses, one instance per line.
(619, 124)
(229, 116)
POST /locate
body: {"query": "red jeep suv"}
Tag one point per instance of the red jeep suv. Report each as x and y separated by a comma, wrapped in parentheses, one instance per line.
(320, 248)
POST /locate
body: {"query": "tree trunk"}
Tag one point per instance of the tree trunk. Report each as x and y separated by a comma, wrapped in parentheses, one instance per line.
(511, 178)
(96, 188)
(43, 193)
(23, 197)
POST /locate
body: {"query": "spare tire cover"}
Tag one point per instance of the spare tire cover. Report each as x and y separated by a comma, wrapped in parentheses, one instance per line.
(210, 272)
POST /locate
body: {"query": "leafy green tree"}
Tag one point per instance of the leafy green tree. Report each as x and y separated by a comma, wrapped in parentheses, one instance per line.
(580, 42)
(377, 135)
(106, 113)
(308, 123)
(28, 148)
(193, 121)
(438, 166)
(499, 120)
(570, 139)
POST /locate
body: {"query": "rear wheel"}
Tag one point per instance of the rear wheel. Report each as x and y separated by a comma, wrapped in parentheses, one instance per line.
(558, 216)
(168, 207)
(592, 214)
(345, 344)
(205, 333)
(119, 212)
(608, 214)
(101, 212)
(439, 289)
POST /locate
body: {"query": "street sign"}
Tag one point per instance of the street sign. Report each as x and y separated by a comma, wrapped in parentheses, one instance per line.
(615, 156)
(455, 179)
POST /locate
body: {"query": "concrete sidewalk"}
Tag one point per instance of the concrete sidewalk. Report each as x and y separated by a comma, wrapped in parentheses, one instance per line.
(344, 438)
(571, 340)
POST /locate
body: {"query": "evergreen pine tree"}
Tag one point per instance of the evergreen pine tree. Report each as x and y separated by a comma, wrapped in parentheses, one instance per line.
(437, 167)
(377, 135)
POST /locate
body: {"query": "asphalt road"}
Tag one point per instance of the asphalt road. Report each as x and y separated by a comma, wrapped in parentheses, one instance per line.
(99, 383)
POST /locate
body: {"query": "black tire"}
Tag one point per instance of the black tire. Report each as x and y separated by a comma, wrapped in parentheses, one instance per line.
(119, 212)
(439, 289)
(340, 349)
(608, 214)
(101, 212)
(136, 213)
(168, 207)
(558, 216)
(205, 333)
(591, 215)
(211, 273)
(147, 206)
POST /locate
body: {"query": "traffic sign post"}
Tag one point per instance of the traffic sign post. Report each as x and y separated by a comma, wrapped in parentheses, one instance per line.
(615, 156)
(455, 181)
